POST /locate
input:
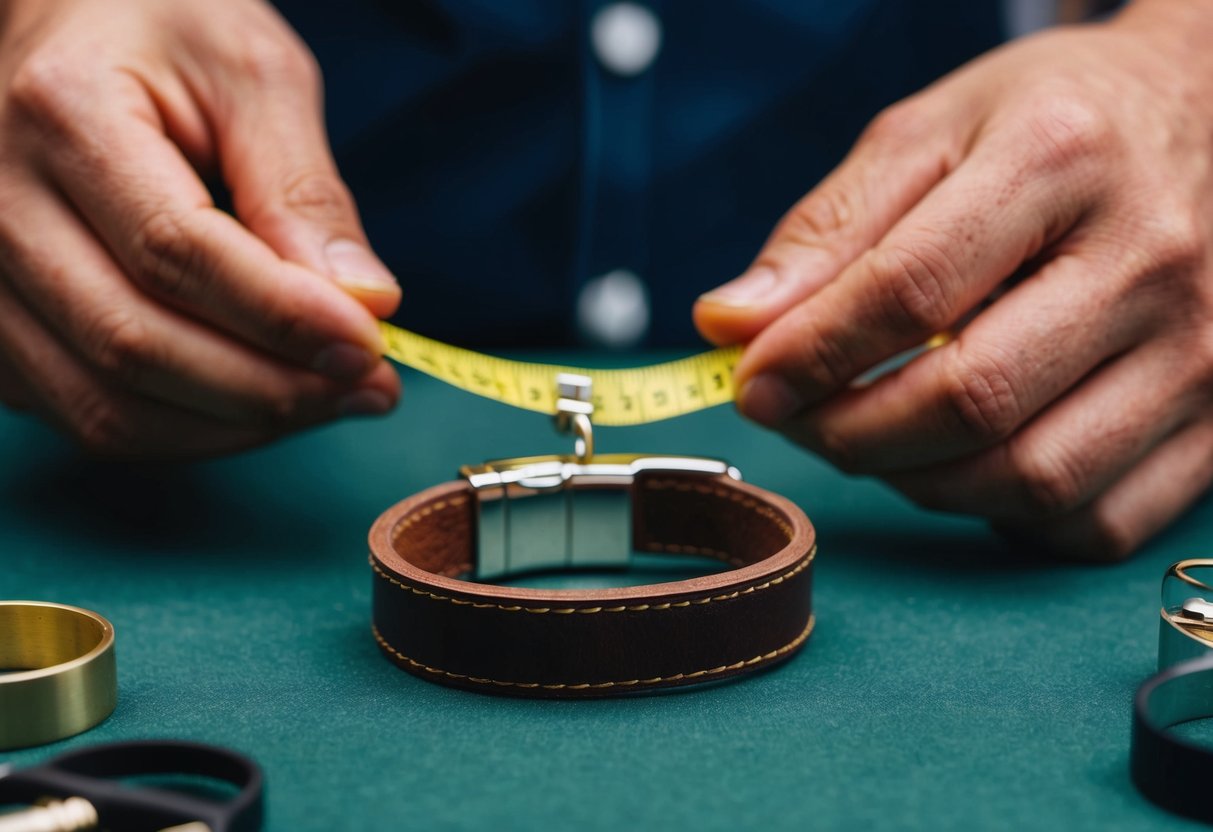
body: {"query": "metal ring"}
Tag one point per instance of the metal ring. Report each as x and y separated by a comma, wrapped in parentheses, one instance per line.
(1171, 770)
(1182, 636)
(66, 679)
(1180, 570)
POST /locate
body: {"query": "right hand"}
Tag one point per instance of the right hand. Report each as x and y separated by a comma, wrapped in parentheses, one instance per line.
(133, 313)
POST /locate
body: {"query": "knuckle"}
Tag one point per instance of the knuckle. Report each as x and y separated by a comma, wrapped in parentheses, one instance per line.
(168, 257)
(1068, 129)
(286, 327)
(1049, 487)
(899, 124)
(821, 215)
(825, 362)
(1177, 240)
(318, 195)
(101, 426)
(122, 346)
(272, 58)
(979, 397)
(43, 89)
(913, 282)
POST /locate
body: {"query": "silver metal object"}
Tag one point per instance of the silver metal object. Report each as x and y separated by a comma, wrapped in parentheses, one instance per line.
(1182, 694)
(574, 407)
(558, 512)
(1196, 609)
(563, 512)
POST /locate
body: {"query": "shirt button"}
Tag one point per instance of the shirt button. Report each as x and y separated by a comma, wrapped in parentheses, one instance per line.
(626, 38)
(613, 310)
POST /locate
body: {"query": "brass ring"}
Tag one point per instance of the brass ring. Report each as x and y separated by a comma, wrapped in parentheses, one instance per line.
(1186, 624)
(1180, 570)
(940, 339)
(57, 672)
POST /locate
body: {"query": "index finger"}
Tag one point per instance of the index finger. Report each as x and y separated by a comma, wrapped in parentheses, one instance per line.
(139, 194)
(950, 251)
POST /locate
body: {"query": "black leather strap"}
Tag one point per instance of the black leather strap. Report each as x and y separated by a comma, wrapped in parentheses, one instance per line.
(1172, 771)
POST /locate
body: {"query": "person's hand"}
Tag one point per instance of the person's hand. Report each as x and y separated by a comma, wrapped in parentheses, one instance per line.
(1069, 176)
(133, 313)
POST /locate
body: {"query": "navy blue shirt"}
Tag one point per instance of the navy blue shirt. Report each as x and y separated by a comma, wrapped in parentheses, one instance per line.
(499, 165)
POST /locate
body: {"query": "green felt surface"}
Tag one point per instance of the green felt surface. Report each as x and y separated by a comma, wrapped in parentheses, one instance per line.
(953, 682)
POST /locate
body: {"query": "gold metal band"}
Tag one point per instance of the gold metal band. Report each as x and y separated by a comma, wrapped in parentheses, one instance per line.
(1186, 624)
(57, 672)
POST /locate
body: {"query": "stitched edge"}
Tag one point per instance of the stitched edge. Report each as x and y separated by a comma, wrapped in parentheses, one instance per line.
(728, 596)
(413, 518)
(683, 549)
(698, 674)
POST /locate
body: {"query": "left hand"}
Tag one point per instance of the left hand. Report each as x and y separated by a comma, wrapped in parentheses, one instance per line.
(1075, 408)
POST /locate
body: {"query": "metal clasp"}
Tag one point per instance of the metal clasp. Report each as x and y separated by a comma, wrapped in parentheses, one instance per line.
(562, 512)
(574, 407)
(555, 512)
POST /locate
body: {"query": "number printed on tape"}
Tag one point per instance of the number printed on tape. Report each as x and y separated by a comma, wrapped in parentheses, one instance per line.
(621, 397)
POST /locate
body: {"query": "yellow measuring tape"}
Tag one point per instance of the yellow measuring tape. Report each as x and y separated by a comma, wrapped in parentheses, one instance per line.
(621, 397)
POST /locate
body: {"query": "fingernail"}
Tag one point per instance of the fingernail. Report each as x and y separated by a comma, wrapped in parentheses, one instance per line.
(751, 289)
(769, 400)
(344, 362)
(364, 403)
(353, 265)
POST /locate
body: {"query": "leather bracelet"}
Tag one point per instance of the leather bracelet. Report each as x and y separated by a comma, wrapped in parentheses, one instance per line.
(567, 512)
(65, 680)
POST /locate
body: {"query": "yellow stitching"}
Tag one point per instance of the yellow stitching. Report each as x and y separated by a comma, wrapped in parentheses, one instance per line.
(777, 652)
(657, 485)
(413, 518)
(684, 549)
(796, 570)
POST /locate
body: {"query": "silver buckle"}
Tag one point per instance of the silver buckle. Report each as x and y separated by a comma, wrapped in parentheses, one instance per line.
(566, 511)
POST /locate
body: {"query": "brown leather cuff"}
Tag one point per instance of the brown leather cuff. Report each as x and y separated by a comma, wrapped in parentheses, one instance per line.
(574, 643)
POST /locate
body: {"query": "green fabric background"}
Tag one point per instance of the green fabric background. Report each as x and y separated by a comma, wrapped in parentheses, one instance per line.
(953, 682)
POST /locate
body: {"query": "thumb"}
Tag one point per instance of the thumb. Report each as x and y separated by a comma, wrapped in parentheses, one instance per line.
(896, 161)
(276, 160)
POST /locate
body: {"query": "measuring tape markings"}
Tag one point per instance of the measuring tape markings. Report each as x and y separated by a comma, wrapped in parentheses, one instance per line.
(621, 397)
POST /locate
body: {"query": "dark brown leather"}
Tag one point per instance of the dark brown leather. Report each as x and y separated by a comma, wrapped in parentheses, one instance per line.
(575, 643)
